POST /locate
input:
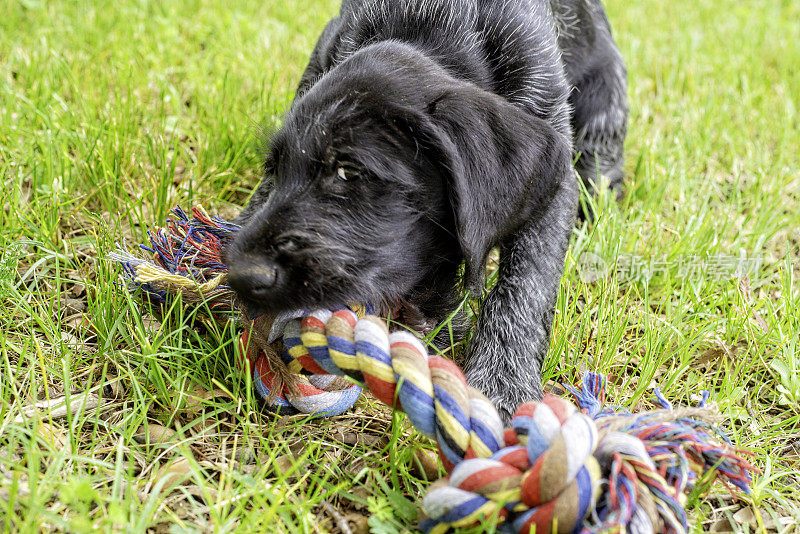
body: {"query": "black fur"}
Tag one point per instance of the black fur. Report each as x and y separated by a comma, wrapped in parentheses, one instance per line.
(423, 134)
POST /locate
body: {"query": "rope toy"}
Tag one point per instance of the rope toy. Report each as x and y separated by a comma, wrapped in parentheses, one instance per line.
(558, 468)
(187, 261)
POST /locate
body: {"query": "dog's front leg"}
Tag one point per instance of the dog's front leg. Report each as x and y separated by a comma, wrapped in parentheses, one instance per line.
(507, 350)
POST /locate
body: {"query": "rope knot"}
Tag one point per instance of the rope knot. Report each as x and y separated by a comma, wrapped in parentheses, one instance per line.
(549, 480)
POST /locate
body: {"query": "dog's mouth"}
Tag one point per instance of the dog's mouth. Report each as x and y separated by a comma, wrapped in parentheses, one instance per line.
(400, 313)
(404, 313)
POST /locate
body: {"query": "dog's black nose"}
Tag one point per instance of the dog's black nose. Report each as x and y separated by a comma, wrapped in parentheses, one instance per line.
(254, 281)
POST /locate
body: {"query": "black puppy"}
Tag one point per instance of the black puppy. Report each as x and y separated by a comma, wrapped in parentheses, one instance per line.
(423, 134)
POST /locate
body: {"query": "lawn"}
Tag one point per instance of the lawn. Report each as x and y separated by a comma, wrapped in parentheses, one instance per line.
(110, 115)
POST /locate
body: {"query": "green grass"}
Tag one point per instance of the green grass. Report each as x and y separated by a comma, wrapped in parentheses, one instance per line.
(111, 115)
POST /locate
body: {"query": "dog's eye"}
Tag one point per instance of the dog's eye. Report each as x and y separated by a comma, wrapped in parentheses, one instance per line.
(347, 174)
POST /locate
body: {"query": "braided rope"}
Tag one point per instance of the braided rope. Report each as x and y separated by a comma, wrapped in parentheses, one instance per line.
(319, 394)
(398, 370)
(542, 473)
(548, 478)
(549, 482)
(545, 472)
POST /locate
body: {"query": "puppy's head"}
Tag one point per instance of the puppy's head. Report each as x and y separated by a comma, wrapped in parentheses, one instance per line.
(386, 175)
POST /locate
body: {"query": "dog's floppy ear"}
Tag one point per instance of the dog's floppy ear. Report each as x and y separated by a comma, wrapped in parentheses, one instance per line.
(502, 165)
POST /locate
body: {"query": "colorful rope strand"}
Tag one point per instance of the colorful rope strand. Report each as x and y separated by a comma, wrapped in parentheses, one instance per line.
(187, 261)
(544, 472)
